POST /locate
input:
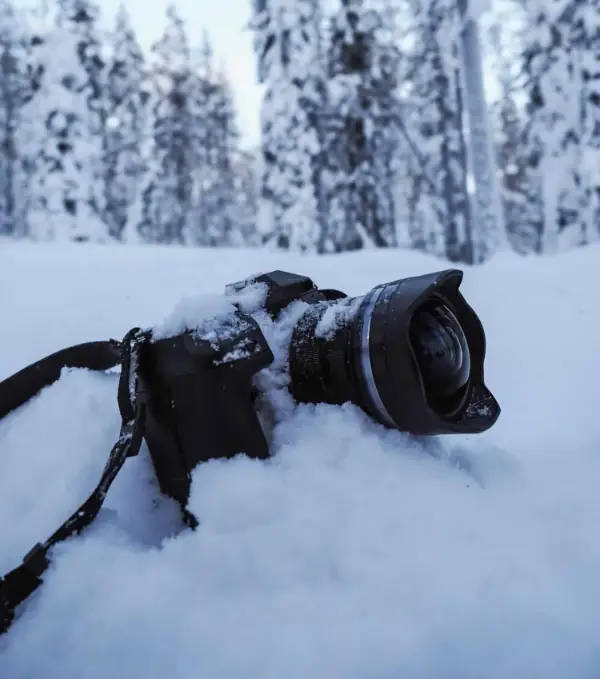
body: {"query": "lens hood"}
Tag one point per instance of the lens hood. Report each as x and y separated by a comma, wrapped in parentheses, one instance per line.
(389, 375)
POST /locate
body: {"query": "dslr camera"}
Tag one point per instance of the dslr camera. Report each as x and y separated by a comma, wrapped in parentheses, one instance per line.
(409, 353)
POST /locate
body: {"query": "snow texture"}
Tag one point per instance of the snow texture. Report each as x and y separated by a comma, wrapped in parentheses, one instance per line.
(337, 315)
(355, 552)
(205, 315)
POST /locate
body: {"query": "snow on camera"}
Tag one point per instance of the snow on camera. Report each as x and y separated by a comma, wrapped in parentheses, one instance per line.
(337, 315)
(208, 317)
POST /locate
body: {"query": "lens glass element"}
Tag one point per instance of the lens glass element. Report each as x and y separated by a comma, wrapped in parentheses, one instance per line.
(441, 350)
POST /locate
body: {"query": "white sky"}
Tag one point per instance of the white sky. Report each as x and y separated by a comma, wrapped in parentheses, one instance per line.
(226, 22)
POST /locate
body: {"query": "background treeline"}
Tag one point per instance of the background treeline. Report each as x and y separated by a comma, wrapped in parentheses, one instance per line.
(364, 133)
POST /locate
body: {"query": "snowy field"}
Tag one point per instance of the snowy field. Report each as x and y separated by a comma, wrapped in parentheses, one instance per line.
(352, 554)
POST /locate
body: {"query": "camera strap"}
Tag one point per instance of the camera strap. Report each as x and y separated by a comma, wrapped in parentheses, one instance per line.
(17, 585)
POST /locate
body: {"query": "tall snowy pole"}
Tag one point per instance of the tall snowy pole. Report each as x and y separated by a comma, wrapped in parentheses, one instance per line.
(487, 206)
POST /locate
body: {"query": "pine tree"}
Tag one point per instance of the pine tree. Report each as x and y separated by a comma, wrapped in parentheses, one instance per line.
(520, 188)
(62, 147)
(168, 195)
(556, 108)
(14, 91)
(213, 214)
(419, 222)
(586, 35)
(291, 66)
(82, 19)
(234, 220)
(521, 200)
(246, 194)
(190, 195)
(363, 133)
(126, 95)
(436, 129)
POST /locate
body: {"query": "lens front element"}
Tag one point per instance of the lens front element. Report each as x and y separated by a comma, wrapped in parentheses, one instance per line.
(442, 352)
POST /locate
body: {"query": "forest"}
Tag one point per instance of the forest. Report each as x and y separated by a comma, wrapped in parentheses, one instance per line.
(364, 133)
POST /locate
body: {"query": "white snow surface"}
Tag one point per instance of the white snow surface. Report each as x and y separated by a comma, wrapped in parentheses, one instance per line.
(355, 552)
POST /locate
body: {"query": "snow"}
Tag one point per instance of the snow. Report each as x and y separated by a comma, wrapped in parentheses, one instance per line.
(473, 9)
(355, 552)
(337, 315)
(206, 316)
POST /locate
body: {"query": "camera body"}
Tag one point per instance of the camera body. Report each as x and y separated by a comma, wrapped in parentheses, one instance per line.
(200, 392)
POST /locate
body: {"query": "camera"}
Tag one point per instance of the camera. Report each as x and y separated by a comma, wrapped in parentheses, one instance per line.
(409, 353)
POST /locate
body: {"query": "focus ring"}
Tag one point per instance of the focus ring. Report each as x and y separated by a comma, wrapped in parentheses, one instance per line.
(319, 366)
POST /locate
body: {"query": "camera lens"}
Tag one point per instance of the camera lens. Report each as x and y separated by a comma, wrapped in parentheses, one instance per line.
(409, 353)
(358, 360)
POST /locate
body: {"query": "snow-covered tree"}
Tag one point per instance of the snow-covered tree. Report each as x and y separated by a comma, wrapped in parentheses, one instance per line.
(520, 187)
(15, 88)
(247, 180)
(191, 196)
(287, 40)
(559, 62)
(168, 195)
(60, 131)
(213, 214)
(362, 138)
(82, 19)
(586, 36)
(229, 198)
(126, 95)
(521, 190)
(436, 127)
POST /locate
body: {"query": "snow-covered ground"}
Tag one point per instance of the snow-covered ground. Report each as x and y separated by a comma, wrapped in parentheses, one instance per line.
(352, 554)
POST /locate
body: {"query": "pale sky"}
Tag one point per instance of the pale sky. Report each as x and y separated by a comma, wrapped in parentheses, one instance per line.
(225, 21)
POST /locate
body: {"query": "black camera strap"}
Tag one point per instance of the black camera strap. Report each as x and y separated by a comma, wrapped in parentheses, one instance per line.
(17, 585)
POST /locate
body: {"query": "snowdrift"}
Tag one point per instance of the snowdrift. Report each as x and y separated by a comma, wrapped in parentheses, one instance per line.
(353, 553)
